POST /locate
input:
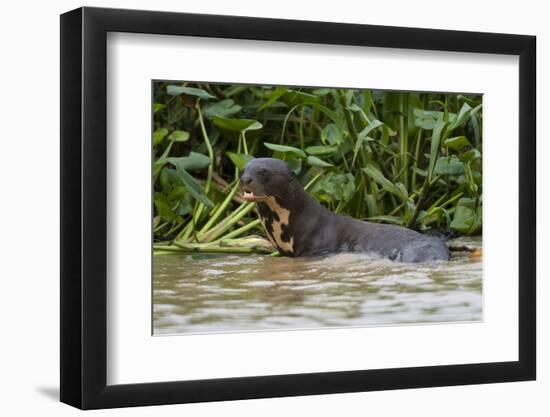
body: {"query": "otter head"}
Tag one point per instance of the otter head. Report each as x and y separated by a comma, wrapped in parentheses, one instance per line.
(266, 177)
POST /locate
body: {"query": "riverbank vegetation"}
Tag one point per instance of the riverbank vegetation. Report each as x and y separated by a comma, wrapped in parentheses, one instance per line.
(405, 158)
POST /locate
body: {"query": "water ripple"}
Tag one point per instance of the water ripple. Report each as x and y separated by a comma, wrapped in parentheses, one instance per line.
(213, 293)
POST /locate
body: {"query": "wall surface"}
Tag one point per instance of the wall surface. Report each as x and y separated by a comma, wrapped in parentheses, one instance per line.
(29, 176)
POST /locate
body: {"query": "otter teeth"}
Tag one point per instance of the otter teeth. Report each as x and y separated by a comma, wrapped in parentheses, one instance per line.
(248, 194)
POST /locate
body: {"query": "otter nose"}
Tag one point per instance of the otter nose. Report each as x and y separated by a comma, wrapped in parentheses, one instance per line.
(246, 179)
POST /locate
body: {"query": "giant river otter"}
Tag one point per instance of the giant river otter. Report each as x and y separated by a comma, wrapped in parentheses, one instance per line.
(299, 226)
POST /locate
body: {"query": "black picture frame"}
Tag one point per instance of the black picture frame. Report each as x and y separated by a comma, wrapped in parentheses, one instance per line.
(84, 207)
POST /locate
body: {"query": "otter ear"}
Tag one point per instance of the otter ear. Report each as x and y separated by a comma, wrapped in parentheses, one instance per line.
(291, 175)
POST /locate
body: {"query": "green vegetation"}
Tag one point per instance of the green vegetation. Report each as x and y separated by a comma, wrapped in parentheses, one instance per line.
(412, 159)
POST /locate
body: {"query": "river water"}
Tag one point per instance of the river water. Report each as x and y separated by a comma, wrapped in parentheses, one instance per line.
(198, 293)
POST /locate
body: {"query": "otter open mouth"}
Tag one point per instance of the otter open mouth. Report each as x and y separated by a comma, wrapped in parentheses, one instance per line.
(250, 196)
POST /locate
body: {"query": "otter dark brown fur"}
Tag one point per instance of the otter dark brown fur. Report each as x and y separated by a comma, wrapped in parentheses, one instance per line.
(299, 226)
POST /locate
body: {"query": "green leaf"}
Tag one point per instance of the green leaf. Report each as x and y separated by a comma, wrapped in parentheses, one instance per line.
(163, 207)
(192, 162)
(317, 162)
(179, 136)
(463, 114)
(457, 142)
(293, 98)
(470, 100)
(332, 134)
(355, 108)
(367, 98)
(273, 97)
(159, 135)
(470, 155)
(161, 160)
(176, 90)
(335, 188)
(193, 187)
(285, 149)
(321, 92)
(177, 192)
(370, 127)
(239, 159)
(388, 219)
(467, 218)
(475, 127)
(321, 150)
(168, 179)
(403, 191)
(158, 107)
(236, 125)
(157, 167)
(386, 184)
(449, 165)
(372, 204)
(362, 136)
(295, 165)
(420, 172)
(434, 149)
(224, 108)
(470, 180)
(186, 204)
(332, 115)
(426, 119)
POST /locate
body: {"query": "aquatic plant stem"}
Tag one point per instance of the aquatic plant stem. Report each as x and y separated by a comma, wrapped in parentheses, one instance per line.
(241, 230)
(245, 146)
(218, 212)
(403, 141)
(416, 155)
(416, 211)
(210, 248)
(208, 147)
(200, 208)
(227, 223)
(313, 180)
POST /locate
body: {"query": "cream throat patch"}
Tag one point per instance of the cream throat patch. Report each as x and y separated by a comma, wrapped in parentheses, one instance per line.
(275, 220)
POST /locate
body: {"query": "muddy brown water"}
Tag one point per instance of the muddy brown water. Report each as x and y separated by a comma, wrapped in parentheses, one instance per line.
(199, 293)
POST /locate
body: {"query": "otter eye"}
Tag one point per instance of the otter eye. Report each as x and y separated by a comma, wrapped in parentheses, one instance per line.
(263, 172)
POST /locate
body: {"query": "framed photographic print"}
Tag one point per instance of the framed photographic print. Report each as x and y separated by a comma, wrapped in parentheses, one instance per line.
(256, 208)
